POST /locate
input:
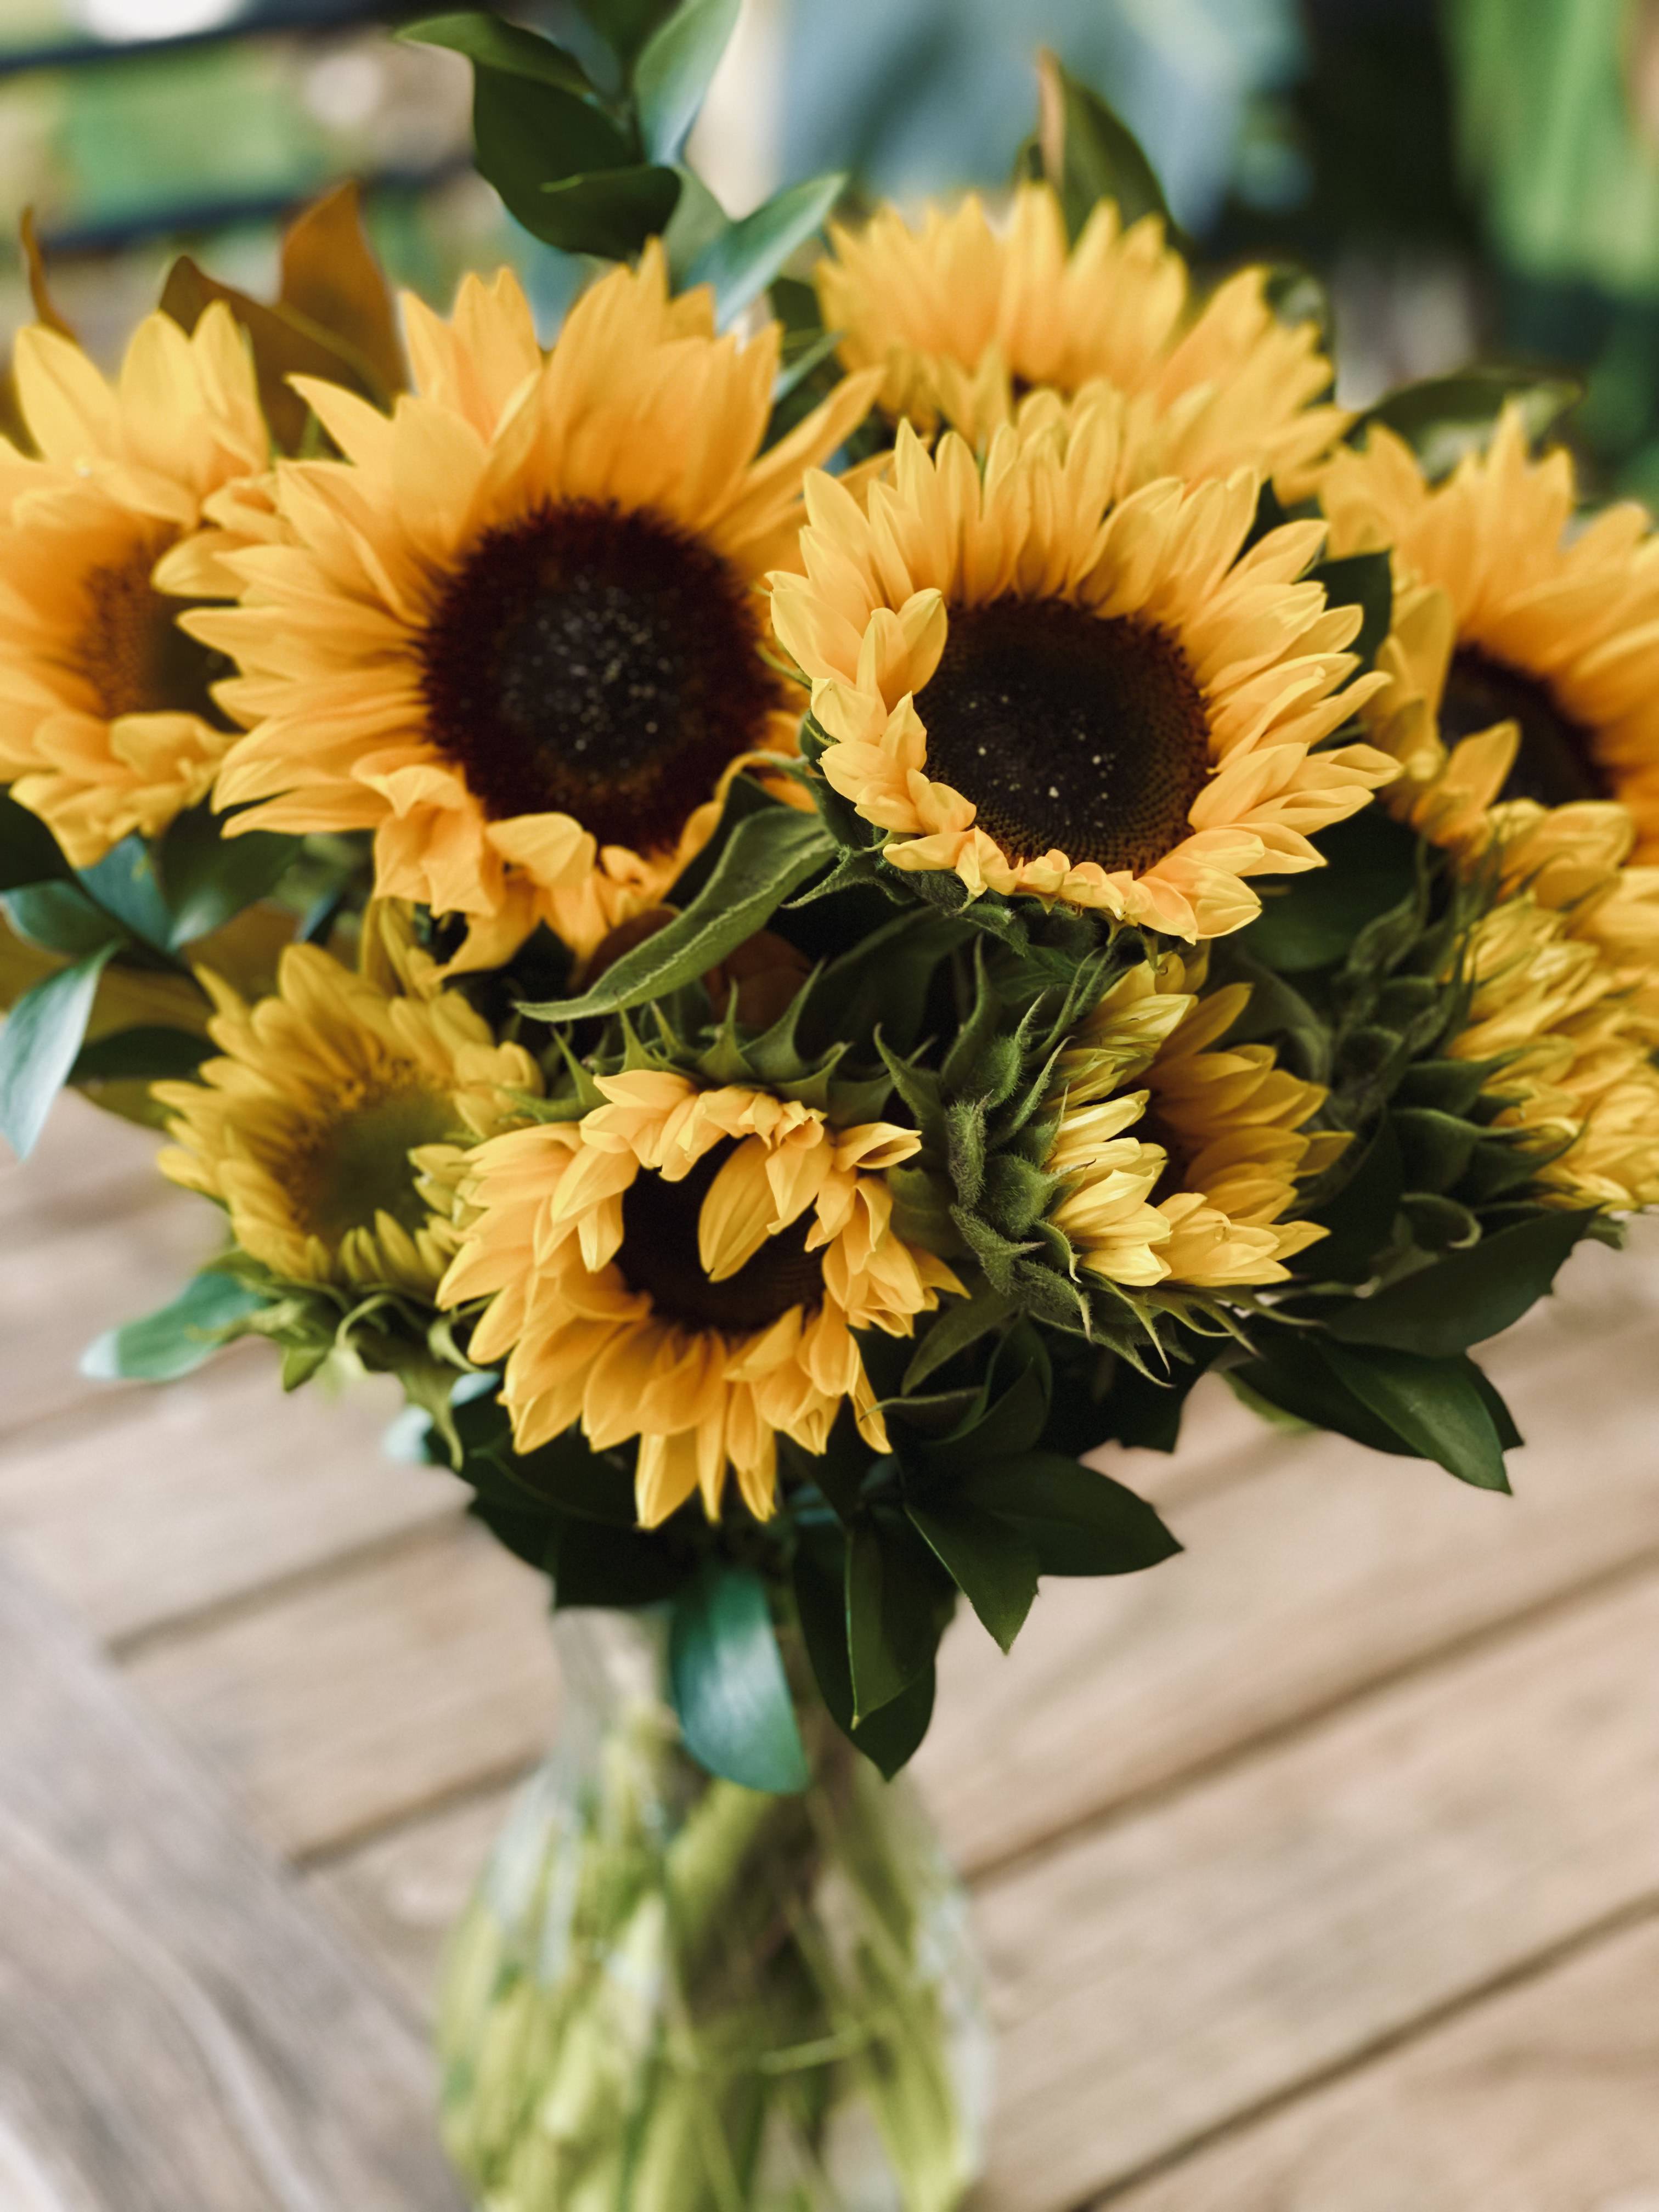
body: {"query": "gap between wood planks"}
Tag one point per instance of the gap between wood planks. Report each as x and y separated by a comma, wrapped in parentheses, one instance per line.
(1604, 1937)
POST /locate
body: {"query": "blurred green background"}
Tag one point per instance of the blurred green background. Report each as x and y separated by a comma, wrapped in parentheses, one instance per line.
(1469, 176)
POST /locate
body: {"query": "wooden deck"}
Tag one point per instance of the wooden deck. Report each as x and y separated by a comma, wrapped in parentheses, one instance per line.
(1317, 1871)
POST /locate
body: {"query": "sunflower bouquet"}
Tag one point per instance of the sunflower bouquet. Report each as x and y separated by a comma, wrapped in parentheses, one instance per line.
(798, 908)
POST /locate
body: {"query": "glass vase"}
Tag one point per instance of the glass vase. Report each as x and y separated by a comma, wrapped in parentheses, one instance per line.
(669, 1993)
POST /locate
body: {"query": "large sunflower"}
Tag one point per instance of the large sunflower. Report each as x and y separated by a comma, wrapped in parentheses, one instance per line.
(1110, 704)
(687, 1266)
(1569, 1043)
(514, 632)
(962, 318)
(106, 722)
(1526, 644)
(304, 1130)
(1185, 1180)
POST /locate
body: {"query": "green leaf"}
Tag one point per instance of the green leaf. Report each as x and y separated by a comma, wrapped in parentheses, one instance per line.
(490, 42)
(39, 1041)
(1291, 1373)
(575, 1478)
(148, 1052)
(961, 1322)
(208, 877)
(744, 259)
(1445, 417)
(1469, 1296)
(674, 69)
(1364, 581)
(175, 1340)
(730, 1690)
(1103, 159)
(29, 854)
(530, 134)
(611, 211)
(62, 918)
(990, 1561)
(124, 883)
(890, 1737)
(1431, 1405)
(595, 1565)
(1011, 1423)
(624, 24)
(766, 856)
(891, 1638)
(1361, 1217)
(1078, 1521)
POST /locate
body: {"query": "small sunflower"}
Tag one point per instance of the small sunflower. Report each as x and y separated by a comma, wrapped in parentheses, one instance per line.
(324, 1130)
(1110, 704)
(962, 319)
(515, 631)
(1184, 1182)
(1571, 1046)
(1523, 664)
(107, 724)
(688, 1266)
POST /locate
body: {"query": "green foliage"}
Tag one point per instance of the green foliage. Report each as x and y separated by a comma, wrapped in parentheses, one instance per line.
(39, 1040)
(1100, 158)
(1445, 417)
(742, 259)
(1364, 581)
(768, 855)
(730, 1691)
(179, 1337)
(674, 69)
(29, 853)
(147, 1053)
(1467, 1296)
(207, 877)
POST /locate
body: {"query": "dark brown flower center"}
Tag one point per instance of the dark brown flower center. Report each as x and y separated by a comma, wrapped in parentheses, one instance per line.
(659, 1256)
(131, 651)
(1069, 733)
(1555, 761)
(596, 663)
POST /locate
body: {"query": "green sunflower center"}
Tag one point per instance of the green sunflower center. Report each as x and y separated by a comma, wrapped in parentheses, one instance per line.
(347, 1170)
(659, 1256)
(131, 651)
(1069, 733)
(596, 663)
(1555, 761)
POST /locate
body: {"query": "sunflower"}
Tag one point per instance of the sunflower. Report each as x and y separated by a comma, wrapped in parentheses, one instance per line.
(1184, 1182)
(1527, 646)
(1570, 1044)
(107, 724)
(515, 631)
(688, 1266)
(1113, 705)
(305, 1130)
(962, 319)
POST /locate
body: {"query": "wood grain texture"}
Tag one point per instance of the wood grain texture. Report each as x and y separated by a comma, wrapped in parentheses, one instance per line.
(179, 2032)
(344, 1705)
(1172, 1971)
(1543, 2099)
(191, 1494)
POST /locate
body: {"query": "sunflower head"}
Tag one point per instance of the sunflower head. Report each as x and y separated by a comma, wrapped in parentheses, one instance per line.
(1043, 690)
(1184, 1182)
(963, 318)
(325, 1128)
(108, 723)
(1522, 664)
(687, 1265)
(515, 630)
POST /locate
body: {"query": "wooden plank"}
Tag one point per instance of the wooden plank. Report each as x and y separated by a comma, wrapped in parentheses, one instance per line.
(60, 1290)
(178, 2028)
(187, 1495)
(401, 1894)
(1544, 2098)
(1158, 1978)
(87, 1168)
(359, 1699)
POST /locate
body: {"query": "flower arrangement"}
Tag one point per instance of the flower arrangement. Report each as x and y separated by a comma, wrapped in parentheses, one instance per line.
(798, 908)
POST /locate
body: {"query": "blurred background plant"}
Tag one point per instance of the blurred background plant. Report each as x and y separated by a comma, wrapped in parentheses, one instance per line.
(1469, 176)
